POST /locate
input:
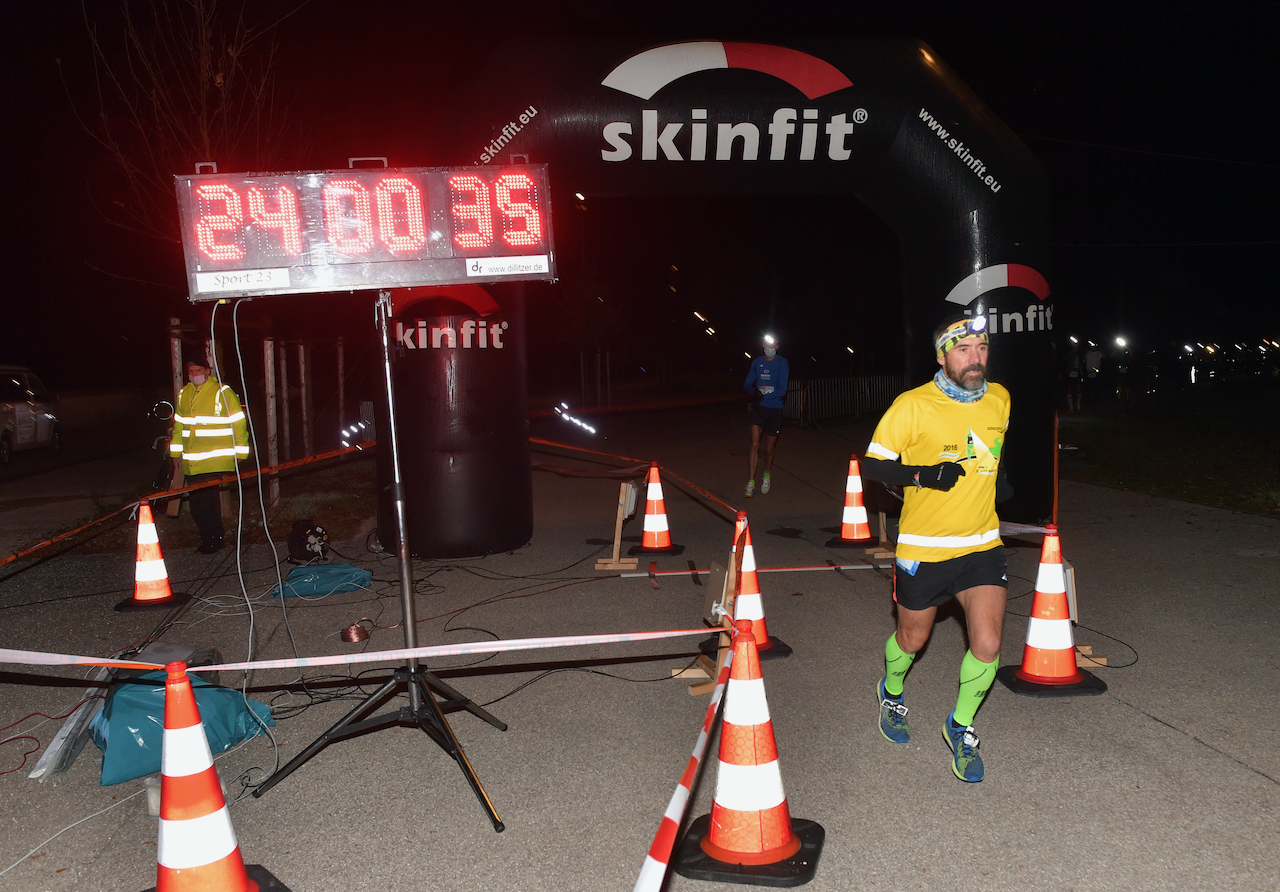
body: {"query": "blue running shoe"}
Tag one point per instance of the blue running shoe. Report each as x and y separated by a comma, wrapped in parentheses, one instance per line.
(893, 718)
(966, 764)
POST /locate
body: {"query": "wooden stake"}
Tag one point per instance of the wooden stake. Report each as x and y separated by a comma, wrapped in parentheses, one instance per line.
(617, 562)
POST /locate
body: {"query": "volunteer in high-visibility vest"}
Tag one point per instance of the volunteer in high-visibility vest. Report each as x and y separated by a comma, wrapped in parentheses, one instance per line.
(209, 436)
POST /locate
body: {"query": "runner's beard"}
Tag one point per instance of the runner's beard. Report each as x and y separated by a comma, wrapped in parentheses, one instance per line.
(971, 377)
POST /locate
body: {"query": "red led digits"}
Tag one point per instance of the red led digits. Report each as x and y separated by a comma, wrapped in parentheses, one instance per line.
(209, 225)
(478, 211)
(402, 231)
(283, 219)
(348, 216)
(514, 210)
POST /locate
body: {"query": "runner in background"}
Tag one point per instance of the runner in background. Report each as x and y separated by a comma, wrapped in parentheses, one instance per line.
(766, 384)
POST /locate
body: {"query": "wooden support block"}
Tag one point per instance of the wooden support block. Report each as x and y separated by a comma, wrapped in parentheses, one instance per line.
(688, 672)
(702, 687)
(1085, 649)
(711, 668)
(615, 562)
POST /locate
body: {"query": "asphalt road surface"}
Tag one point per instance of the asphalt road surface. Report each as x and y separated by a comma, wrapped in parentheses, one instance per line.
(1169, 780)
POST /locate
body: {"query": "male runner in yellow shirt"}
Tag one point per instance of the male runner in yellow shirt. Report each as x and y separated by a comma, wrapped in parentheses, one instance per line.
(942, 442)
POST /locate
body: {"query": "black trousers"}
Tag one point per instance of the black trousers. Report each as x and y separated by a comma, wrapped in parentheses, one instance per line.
(206, 509)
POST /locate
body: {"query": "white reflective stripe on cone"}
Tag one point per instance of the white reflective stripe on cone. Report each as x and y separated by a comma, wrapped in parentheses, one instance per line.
(1050, 579)
(854, 514)
(853, 484)
(746, 704)
(149, 571)
(1049, 634)
(749, 559)
(748, 607)
(654, 492)
(750, 787)
(184, 751)
(196, 842)
(655, 523)
(147, 534)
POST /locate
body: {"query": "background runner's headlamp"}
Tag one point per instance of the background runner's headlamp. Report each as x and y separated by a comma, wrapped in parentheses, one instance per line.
(965, 328)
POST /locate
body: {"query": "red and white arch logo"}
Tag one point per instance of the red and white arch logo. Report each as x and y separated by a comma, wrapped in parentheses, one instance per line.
(1039, 316)
(644, 74)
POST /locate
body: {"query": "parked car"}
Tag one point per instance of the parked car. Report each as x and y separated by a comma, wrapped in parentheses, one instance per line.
(28, 413)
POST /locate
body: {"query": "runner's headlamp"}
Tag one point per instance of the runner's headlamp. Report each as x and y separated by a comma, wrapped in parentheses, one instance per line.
(957, 332)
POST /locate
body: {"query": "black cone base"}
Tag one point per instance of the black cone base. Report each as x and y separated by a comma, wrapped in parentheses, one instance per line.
(1090, 684)
(777, 649)
(263, 877)
(670, 549)
(692, 862)
(868, 542)
(176, 600)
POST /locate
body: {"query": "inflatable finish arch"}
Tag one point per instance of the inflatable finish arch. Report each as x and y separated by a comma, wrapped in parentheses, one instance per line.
(884, 120)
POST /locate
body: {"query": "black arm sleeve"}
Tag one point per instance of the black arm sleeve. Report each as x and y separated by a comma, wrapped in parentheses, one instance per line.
(1004, 489)
(893, 472)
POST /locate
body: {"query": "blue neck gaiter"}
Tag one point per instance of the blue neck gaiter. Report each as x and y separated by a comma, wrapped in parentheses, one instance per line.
(955, 391)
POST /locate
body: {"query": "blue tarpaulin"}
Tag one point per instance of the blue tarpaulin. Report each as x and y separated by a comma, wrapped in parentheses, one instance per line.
(130, 727)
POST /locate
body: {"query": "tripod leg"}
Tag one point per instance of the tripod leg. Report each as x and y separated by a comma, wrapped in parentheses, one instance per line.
(323, 740)
(432, 682)
(434, 721)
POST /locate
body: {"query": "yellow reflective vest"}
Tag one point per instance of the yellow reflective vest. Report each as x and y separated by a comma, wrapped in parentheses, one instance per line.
(209, 429)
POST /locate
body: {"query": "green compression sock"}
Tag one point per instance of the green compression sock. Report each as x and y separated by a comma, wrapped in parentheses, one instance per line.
(896, 664)
(975, 680)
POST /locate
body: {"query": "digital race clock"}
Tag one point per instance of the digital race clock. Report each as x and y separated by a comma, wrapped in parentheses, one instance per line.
(290, 233)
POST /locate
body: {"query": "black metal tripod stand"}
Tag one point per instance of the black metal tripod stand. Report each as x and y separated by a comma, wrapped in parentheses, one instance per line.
(423, 711)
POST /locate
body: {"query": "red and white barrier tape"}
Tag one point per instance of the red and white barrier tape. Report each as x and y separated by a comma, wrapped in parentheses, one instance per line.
(36, 658)
(654, 870)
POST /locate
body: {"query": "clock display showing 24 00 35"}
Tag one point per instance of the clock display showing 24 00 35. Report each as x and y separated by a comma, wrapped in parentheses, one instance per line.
(293, 233)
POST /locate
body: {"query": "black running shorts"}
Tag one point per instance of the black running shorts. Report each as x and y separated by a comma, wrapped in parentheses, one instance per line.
(767, 419)
(934, 584)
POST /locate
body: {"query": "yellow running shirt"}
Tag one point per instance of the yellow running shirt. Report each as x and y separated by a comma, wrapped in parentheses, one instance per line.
(924, 426)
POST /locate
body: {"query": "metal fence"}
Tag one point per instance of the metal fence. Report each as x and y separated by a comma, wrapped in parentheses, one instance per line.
(820, 398)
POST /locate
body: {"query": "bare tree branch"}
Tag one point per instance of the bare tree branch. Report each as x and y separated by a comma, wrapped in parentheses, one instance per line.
(178, 82)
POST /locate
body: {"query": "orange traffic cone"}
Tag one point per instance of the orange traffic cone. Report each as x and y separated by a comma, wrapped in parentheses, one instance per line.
(197, 850)
(657, 536)
(854, 528)
(1049, 657)
(750, 836)
(749, 605)
(150, 578)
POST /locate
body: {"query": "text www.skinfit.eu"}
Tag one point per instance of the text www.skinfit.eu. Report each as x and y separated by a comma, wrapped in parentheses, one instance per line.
(973, 163)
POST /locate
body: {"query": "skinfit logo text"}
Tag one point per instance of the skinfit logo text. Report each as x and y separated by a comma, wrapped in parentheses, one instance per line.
(477, 333)
(792, 133)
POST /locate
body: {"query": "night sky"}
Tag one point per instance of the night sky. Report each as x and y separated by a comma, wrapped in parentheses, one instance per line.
(1156, 123)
